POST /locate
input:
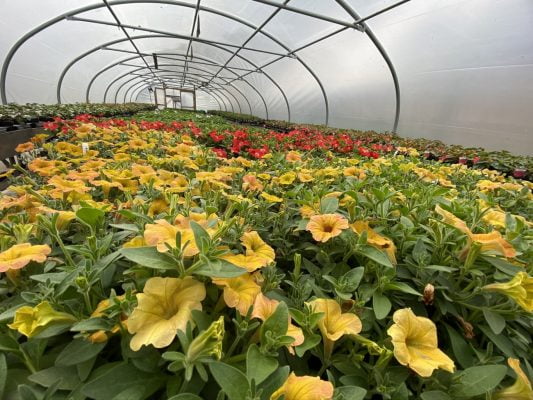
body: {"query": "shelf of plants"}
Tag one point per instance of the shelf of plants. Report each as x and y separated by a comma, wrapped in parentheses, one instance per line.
(178, 256)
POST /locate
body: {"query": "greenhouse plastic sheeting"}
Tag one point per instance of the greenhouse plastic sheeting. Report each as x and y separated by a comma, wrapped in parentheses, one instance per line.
(464, 67)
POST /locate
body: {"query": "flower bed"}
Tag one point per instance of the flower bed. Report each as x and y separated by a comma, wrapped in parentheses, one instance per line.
(138, 263)
(519, 166)
(12, 114)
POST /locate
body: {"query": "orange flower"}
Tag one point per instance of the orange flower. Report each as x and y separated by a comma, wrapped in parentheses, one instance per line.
(250, 182)
(23, 147)
(326, 226)
(20, 255)
(293, 156)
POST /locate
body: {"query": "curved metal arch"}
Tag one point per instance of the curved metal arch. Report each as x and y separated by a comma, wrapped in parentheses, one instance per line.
(93, 50)
(221, 93)
(129, 72)
(374, 39)
(213, 94)
(63, 16)
(194, 80)
(87, 93)
(209, 72)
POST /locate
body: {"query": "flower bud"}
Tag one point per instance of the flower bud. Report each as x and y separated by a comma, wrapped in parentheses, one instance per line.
(429, 294)
(208, 343)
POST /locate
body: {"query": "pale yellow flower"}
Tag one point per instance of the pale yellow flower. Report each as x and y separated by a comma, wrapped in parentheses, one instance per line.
(304, 388)
(162, 233)
(271, 198)
(375, 239)
(520, 289)
(239, 292)
(30, 321)
(415, 343)
(521, 389)
(334, 324)
(164, 307)
(20, 255)
(326, 226)
(255, 246)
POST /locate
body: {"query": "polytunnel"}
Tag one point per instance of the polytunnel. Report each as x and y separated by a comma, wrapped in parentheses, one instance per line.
(455, 70)
(266, 199)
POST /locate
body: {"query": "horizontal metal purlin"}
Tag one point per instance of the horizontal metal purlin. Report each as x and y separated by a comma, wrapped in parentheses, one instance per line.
(195, 74)
(307, 13)
(174, 65)
(162, 55)
(176, 35)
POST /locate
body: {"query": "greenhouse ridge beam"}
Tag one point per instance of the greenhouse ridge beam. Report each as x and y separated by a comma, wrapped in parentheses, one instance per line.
(162, 55)
(176, 35)
(383, 53)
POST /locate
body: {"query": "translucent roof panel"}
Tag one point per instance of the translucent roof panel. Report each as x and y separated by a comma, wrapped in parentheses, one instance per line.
(456, 70)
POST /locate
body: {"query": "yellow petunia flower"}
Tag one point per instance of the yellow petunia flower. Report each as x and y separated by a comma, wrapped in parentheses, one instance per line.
(164, 307)
(30, 321)
(239, 292)
(520, 289)
(271, 198)
(521, 389)
(157, 207)
(375, 239)
(415, 343)
(304, 388)
(334, 324)
(137, 241)
(20, 255)
(293, 156)
(255, 246)
(162, 233)
(287, 178)
(248, 262)
(326, 226)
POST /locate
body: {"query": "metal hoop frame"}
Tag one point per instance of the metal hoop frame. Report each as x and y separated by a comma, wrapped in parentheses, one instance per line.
(358, 23)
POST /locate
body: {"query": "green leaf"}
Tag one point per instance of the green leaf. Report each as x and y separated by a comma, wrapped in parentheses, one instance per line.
(353, 277)
(126, 227)
(462, 351)
(259, 366)
(495, 321)
(501, 341)
(475, 381)
(149, 257)
(132, 393)
(402, 287)
(328, 205)
(277, 323)
(351, 392)
(185, 396)
(111, 380)
(381, 305)
(375, 255)
(309, 342)
(503, 266)
(92, 324)
(78, 351)
(273, 382)
(219, 268)
(7, 343)
(3, 374)
(232, 381)
(90, 216)
(201, 237)
(67, 377)
(435, 395)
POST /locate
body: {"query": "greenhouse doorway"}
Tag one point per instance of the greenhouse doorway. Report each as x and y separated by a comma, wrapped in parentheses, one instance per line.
(177, 98)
